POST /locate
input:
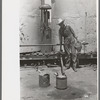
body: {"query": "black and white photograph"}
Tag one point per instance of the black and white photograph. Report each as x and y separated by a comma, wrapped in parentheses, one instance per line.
(58, 49)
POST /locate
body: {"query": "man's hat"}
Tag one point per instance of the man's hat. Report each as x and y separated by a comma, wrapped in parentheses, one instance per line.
(60, 21)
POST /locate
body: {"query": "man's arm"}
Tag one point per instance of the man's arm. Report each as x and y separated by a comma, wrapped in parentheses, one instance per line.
(72, 32)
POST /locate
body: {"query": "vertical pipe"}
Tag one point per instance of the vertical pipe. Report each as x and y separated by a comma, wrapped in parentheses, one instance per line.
(42, 12)
(46, 18)
(62, 65)
(41, 16)
(42, 2)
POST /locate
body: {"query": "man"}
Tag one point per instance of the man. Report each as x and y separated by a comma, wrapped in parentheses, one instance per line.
(67, 33)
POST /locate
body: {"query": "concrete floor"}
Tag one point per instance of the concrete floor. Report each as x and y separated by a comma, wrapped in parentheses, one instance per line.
(82, 85)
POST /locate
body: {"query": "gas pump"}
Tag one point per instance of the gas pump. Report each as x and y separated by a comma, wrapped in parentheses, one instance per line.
(45, 29)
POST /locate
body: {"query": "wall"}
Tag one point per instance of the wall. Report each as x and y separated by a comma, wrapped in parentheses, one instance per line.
(84, 25)
(73, 11)
(29, 24)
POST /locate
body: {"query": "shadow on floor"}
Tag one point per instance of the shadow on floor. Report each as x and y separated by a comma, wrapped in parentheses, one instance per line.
(68, 94)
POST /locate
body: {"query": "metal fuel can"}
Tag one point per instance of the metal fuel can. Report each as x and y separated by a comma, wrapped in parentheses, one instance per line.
(61, 82)
(44, 80)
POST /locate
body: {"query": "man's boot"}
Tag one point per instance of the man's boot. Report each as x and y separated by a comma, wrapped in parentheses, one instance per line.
(74, 66)
(68, 64)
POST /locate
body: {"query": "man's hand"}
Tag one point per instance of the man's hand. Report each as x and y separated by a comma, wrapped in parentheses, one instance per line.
(61, 52)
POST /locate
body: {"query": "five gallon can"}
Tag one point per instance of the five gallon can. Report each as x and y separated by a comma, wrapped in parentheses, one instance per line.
(44, 80)
(61, 82)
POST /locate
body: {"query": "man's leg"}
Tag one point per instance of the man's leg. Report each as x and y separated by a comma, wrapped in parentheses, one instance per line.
(74, 58)
(68, 57)
(74, 66)
(67, 62)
